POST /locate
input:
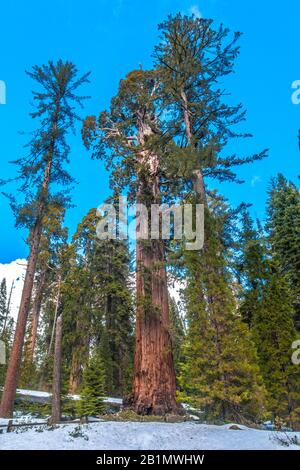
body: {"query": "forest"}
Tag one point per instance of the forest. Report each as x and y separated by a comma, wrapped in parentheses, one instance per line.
(97, 317)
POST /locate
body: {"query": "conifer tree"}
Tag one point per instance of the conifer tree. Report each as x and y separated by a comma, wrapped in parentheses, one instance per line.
(283, 226)
(192, 60)
(97, 302)
(164, 132)
(267, 304)
(38, 172)
(274, 333)
(128, 138)
(250, 267)
(220, 372)
(53, 239)
(93, 391)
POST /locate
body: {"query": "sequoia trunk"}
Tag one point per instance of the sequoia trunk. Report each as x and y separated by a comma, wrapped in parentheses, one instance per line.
(154, 388)
(154, 385)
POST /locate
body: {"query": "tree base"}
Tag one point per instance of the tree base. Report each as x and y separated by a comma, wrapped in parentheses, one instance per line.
(146, 406)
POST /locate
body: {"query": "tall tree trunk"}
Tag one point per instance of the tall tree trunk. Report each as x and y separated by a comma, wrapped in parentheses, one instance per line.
(36, 310)
(13, 370)
(80, 355)
(56, 391)
(154, 384)
(75, 374)
(55, 314)
(154, 387)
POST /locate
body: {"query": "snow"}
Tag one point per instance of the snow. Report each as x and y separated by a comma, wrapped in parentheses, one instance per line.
(39, 394)
(113, 435)
(23, 420)
(14, 271)
(143, 436)
(33, 393)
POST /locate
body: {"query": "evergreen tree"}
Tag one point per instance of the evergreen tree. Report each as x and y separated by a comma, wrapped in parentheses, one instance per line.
(283, 226)
(267, 304)
(274, 333)
(250, 268)
(192, 60)
(129, 137)
(220, 372)
(38, 172)
(97, 304)
(53, 238)
(165, 129)
(93, 391)
(60, 263)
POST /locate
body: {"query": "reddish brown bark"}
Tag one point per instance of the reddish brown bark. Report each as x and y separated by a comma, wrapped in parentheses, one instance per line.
(13, 370)
(154, 388)
(56, 391)
(80, 355)
(154, 385)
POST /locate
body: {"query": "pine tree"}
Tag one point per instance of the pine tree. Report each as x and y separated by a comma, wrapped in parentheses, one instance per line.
(38, 172)
(53, 237)
(283, 226)
(267, 304)
(274, 333)
(60, 262)
(93, 392)
(97, 305)
(250, 267)
(220, 372)
(192, 60)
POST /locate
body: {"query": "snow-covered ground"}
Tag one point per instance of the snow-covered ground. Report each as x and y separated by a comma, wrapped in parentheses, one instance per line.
(21, 392)
(143, 436)
(105, 435)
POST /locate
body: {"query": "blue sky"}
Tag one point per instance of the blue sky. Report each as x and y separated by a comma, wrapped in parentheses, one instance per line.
(111, 37)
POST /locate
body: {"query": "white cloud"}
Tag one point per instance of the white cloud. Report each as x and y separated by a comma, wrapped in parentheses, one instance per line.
(14, 272)
(194, 10)
(256, 179)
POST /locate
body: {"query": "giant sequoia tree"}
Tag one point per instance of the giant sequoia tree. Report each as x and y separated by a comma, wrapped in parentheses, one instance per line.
(38, 172)
(164, 133)
(192, 60)
(129, 137)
